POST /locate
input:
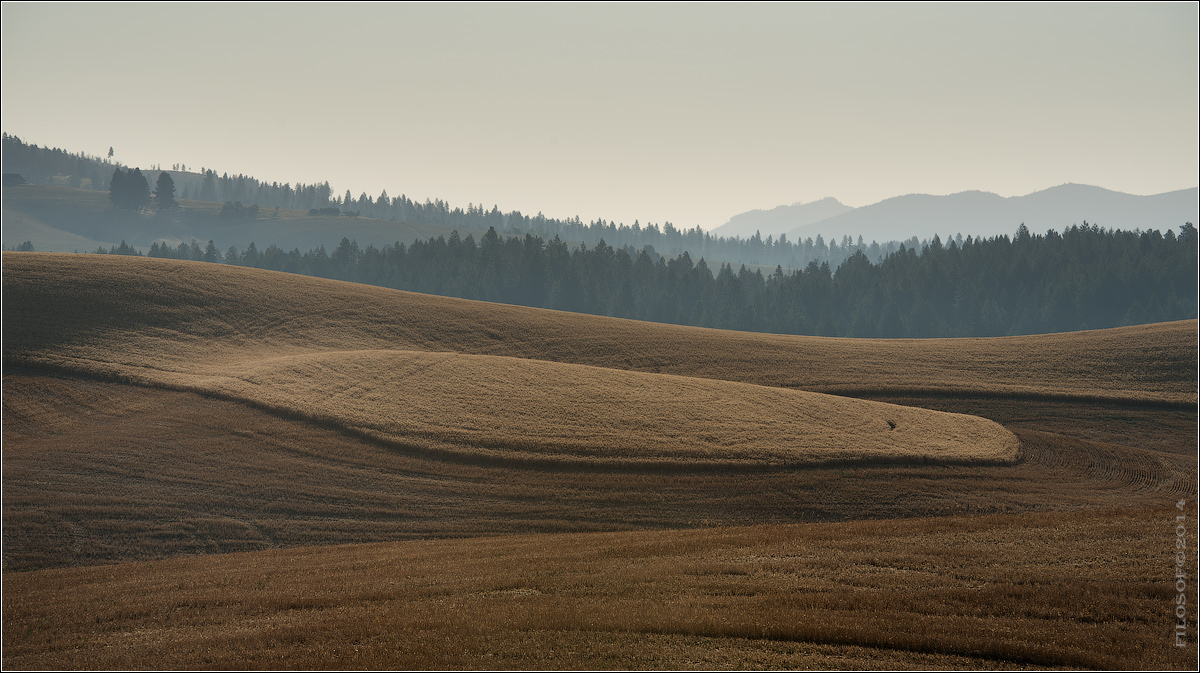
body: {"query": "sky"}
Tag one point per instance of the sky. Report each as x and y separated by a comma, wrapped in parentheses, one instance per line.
(682, 113)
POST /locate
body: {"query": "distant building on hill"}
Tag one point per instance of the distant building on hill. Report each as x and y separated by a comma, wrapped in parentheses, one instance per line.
(13, 179)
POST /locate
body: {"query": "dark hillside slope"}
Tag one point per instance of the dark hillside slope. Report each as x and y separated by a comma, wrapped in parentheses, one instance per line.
(61, 219)
(62, 309)
(307, 349)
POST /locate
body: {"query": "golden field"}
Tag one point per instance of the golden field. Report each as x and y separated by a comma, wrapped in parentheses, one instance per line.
(212, 338)
(74, 308)
(101, 472)
(184, 442)
(952, 592)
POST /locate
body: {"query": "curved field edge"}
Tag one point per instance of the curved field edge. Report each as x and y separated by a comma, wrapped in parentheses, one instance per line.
(1061, 589)
(490, 408)
(162, 312)
(103, 472)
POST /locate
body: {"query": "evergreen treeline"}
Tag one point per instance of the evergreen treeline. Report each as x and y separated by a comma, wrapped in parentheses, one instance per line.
(129, 189)
(49, 166)
(54, 166)
(1083, 278)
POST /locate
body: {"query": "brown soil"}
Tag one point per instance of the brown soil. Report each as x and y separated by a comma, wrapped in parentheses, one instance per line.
(183, 443)
(99, 472)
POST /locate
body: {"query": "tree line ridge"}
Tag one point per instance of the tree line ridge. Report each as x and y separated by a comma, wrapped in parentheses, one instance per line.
(55, 166)
(1086, 277)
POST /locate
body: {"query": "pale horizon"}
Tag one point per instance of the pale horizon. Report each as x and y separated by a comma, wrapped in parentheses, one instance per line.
(683, 113)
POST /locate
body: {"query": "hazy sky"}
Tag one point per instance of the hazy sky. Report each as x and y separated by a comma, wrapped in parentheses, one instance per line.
(681, 113)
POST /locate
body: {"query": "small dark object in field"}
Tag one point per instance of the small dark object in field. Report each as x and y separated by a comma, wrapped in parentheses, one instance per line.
(892, 424)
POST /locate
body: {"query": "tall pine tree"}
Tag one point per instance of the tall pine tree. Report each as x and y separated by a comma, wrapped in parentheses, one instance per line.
(164, 191)
(129, 189)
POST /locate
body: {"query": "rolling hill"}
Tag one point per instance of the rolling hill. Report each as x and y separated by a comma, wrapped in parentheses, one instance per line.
(209, 466)
(376, 361)
(1065, 590)
(150, 317)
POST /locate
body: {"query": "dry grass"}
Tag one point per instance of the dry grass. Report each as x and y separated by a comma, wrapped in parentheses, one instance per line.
(1064, 560)
(162, 313)
(182, 333)
(1087, 589)
(510, 407)
(102, 472)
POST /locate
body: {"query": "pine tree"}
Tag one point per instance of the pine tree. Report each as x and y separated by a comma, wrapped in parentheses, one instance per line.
(129, 190)
(164, 191)
(139, 189)
(208, 189)
(116, 188)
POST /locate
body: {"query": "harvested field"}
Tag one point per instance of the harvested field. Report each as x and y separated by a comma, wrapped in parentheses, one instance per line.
(172, 315)
(101, 472)
(183, 443)
(484, 405)
(503, 407)
(1076, 590)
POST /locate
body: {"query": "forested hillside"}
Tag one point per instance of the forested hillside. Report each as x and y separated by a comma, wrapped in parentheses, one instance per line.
(43, 165)
(1083, 278)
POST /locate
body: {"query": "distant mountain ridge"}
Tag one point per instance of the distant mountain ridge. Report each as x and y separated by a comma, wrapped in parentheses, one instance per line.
(781, 218)
(978, 213)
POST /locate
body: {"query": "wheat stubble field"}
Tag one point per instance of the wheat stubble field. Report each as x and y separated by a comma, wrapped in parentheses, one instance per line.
(210, 466)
